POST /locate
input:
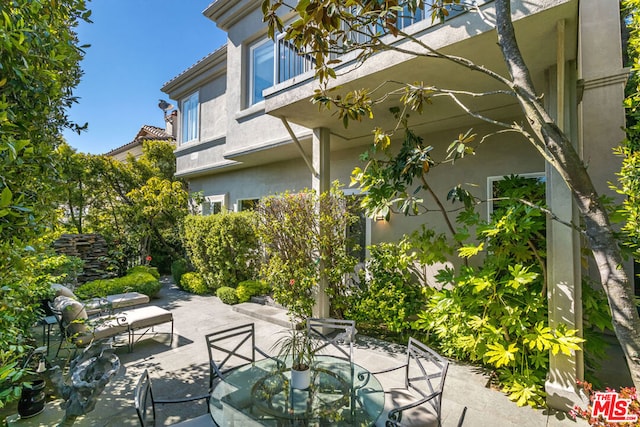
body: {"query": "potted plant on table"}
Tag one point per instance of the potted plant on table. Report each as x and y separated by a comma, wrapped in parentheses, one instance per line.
(300, 348)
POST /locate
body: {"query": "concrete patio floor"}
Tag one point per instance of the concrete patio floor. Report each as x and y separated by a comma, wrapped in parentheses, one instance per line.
(181, 369)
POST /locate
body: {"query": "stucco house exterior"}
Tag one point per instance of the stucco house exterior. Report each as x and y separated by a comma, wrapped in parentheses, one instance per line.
(246, 127)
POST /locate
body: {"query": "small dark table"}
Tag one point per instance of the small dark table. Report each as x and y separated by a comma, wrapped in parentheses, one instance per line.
(47, 322)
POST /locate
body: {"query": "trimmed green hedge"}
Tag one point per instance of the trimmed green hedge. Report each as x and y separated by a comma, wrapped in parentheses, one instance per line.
(178, 268)
(227, 295)
(137, 281)
(223, 247)
(145, 269)
(251, 288)
(194, 283)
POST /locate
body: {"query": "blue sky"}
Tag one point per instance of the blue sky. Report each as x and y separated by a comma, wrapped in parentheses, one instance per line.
(136, 47)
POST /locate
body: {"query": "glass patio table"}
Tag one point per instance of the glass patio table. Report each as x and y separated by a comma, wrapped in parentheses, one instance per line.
(341, 393)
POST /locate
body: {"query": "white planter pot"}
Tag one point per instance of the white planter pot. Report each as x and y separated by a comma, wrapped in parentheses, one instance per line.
(300, 379)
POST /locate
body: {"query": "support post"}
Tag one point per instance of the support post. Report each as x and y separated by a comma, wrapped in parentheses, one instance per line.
(563, 254)
(321, 183)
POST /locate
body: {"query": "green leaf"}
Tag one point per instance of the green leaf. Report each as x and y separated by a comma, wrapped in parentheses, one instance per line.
(5, 197)
(501, 356)
(469, 251)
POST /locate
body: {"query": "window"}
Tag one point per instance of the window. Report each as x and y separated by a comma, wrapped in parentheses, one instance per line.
(358, 233)
(262, 69)
(247, 204)
(211, 208)
(213, 204)
(494, 187)
(190, 125)
(272, 63)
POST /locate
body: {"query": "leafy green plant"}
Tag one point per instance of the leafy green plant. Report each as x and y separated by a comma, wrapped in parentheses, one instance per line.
(40, 56)
(137, 281)
(145, 269)
(387, 296)
(496, 313)
(298, 346)
(249, 288)
(227, 295)
(194, 283)
(223, 247)
(296, 239)
(178, 268)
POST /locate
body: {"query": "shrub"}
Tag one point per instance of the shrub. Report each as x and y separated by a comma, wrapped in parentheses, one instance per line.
(287, 226)
(227, 295)
(145, 269)
(193, 282)
(388, 295)
(251, 288)
(178, 268)
(222, 247)
(137, 281)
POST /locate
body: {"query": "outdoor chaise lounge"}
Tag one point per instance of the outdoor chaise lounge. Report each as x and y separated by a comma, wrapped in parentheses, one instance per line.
(98, 305)
(81, 330)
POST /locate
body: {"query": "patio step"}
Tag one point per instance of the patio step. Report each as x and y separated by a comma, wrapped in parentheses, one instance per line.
(267, 313)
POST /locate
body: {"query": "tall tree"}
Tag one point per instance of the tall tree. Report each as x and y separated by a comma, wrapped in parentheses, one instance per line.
(325, 27)
(39, 67)
(138, 204)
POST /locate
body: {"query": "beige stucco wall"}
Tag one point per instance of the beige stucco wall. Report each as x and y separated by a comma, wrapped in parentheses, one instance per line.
(500, 155)
(213, 109)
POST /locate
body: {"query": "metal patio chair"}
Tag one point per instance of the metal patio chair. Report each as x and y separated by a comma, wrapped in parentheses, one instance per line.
(424, 374)
(231, 348)
(335, 333)
(145, 404)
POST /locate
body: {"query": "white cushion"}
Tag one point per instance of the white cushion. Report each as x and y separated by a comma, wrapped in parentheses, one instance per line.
(61, 290)
(73, 314)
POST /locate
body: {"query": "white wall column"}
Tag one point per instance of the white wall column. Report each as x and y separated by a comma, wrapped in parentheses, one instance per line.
(564, 293)
(596, 127)
(320, 184)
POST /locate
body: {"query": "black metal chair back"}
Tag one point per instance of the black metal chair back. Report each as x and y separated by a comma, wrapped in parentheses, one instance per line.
(230, 348)
(431, 373)
(143, 401)
(64, 336)
(145, 404)
(334, 333)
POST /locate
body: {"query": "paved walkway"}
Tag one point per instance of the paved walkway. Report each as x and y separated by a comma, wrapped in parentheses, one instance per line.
(181, 369)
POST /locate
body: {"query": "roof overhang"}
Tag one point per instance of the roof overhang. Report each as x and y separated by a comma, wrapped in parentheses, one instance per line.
(466, 35)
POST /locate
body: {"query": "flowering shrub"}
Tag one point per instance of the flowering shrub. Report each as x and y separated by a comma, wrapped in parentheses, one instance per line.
(633, 408)
(288, 227)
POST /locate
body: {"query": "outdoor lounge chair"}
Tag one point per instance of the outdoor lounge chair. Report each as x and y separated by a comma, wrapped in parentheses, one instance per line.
(335, 334)
(77, 327)
(99, 305)
(145, 404)
(424, 374)
(230, 348)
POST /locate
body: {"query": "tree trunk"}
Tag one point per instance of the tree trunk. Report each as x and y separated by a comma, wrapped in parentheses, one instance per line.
(565, 159)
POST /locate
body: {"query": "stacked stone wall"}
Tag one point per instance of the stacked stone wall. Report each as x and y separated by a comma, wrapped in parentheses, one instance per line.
(92, 249)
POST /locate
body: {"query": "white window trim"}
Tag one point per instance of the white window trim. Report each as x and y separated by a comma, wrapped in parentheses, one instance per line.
(236, 206)
(223, 199)
(252, 48)
(493, 179)
(182, 121)
(368, 222)
(276, 67)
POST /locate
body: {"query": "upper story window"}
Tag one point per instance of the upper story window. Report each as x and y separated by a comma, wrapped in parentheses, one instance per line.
(274, 62)
(190, 118)
(262, 69)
